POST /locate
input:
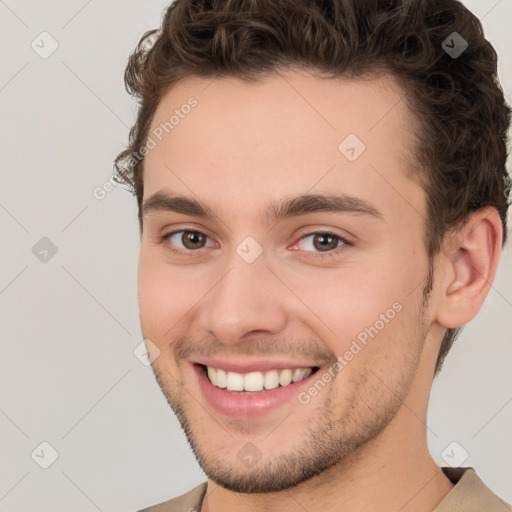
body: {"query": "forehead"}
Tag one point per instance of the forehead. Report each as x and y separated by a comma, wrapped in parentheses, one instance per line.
(289, 132)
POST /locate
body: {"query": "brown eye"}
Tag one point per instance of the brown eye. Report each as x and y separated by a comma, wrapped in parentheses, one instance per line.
(326, 242)
(193, 239)
(321, 242)
(187, 240)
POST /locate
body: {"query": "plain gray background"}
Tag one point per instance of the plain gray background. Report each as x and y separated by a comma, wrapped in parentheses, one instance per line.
(69, 321)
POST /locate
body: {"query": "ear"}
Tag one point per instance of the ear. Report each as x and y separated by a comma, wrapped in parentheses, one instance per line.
(470, 260)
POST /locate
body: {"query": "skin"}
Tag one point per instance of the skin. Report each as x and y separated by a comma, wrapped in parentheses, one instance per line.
(360, 443)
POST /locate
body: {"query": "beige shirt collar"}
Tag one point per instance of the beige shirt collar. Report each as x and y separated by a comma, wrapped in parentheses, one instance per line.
(470, 494)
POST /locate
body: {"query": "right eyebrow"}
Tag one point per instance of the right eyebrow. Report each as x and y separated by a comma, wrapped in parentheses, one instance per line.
(177, 203)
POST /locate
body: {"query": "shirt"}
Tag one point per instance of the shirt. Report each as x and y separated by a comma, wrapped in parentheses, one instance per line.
(470, 494)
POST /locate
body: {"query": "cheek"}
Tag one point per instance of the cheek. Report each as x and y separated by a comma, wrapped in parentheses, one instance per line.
(347, 300)
(170, 296)
(163, 297)
(364, 304)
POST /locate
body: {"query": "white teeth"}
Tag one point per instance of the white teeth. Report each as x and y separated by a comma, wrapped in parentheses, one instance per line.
(297, 374)
(301, 373)
(212, 375)
(271, 380)
(285, 378)
(255, 381)
(235, 382)
(222, 378)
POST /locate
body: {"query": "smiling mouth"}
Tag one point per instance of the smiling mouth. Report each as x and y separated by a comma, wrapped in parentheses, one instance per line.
(255, 382)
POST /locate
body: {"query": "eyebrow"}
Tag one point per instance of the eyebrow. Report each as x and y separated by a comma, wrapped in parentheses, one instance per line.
(275, 211)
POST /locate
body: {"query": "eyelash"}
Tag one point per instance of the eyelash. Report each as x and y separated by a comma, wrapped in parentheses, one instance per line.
(332, 253)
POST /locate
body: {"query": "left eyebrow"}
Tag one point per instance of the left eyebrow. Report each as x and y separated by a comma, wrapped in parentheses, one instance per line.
(275, 211)
(312, 203)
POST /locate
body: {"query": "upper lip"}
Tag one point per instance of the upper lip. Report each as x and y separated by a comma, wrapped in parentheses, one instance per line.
(246, 366)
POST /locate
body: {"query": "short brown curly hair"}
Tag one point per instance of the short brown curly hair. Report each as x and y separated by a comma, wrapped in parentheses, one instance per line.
(461, 147)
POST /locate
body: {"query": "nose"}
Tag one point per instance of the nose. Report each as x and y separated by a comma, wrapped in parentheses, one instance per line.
(247, 299)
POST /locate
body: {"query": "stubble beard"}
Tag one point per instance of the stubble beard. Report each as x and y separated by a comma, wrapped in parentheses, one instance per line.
(329, 440)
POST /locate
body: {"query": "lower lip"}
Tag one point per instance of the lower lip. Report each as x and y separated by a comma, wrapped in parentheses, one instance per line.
(248, 404)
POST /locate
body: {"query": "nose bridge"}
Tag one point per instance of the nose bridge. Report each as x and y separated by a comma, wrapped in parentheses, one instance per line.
(245, 299)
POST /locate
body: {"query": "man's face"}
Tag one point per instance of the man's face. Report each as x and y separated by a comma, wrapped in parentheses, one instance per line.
(262, 298)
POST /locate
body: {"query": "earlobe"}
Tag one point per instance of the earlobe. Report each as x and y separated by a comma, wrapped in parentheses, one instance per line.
(471, 263)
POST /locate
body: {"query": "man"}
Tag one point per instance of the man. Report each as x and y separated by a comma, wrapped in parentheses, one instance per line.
(322, 200)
